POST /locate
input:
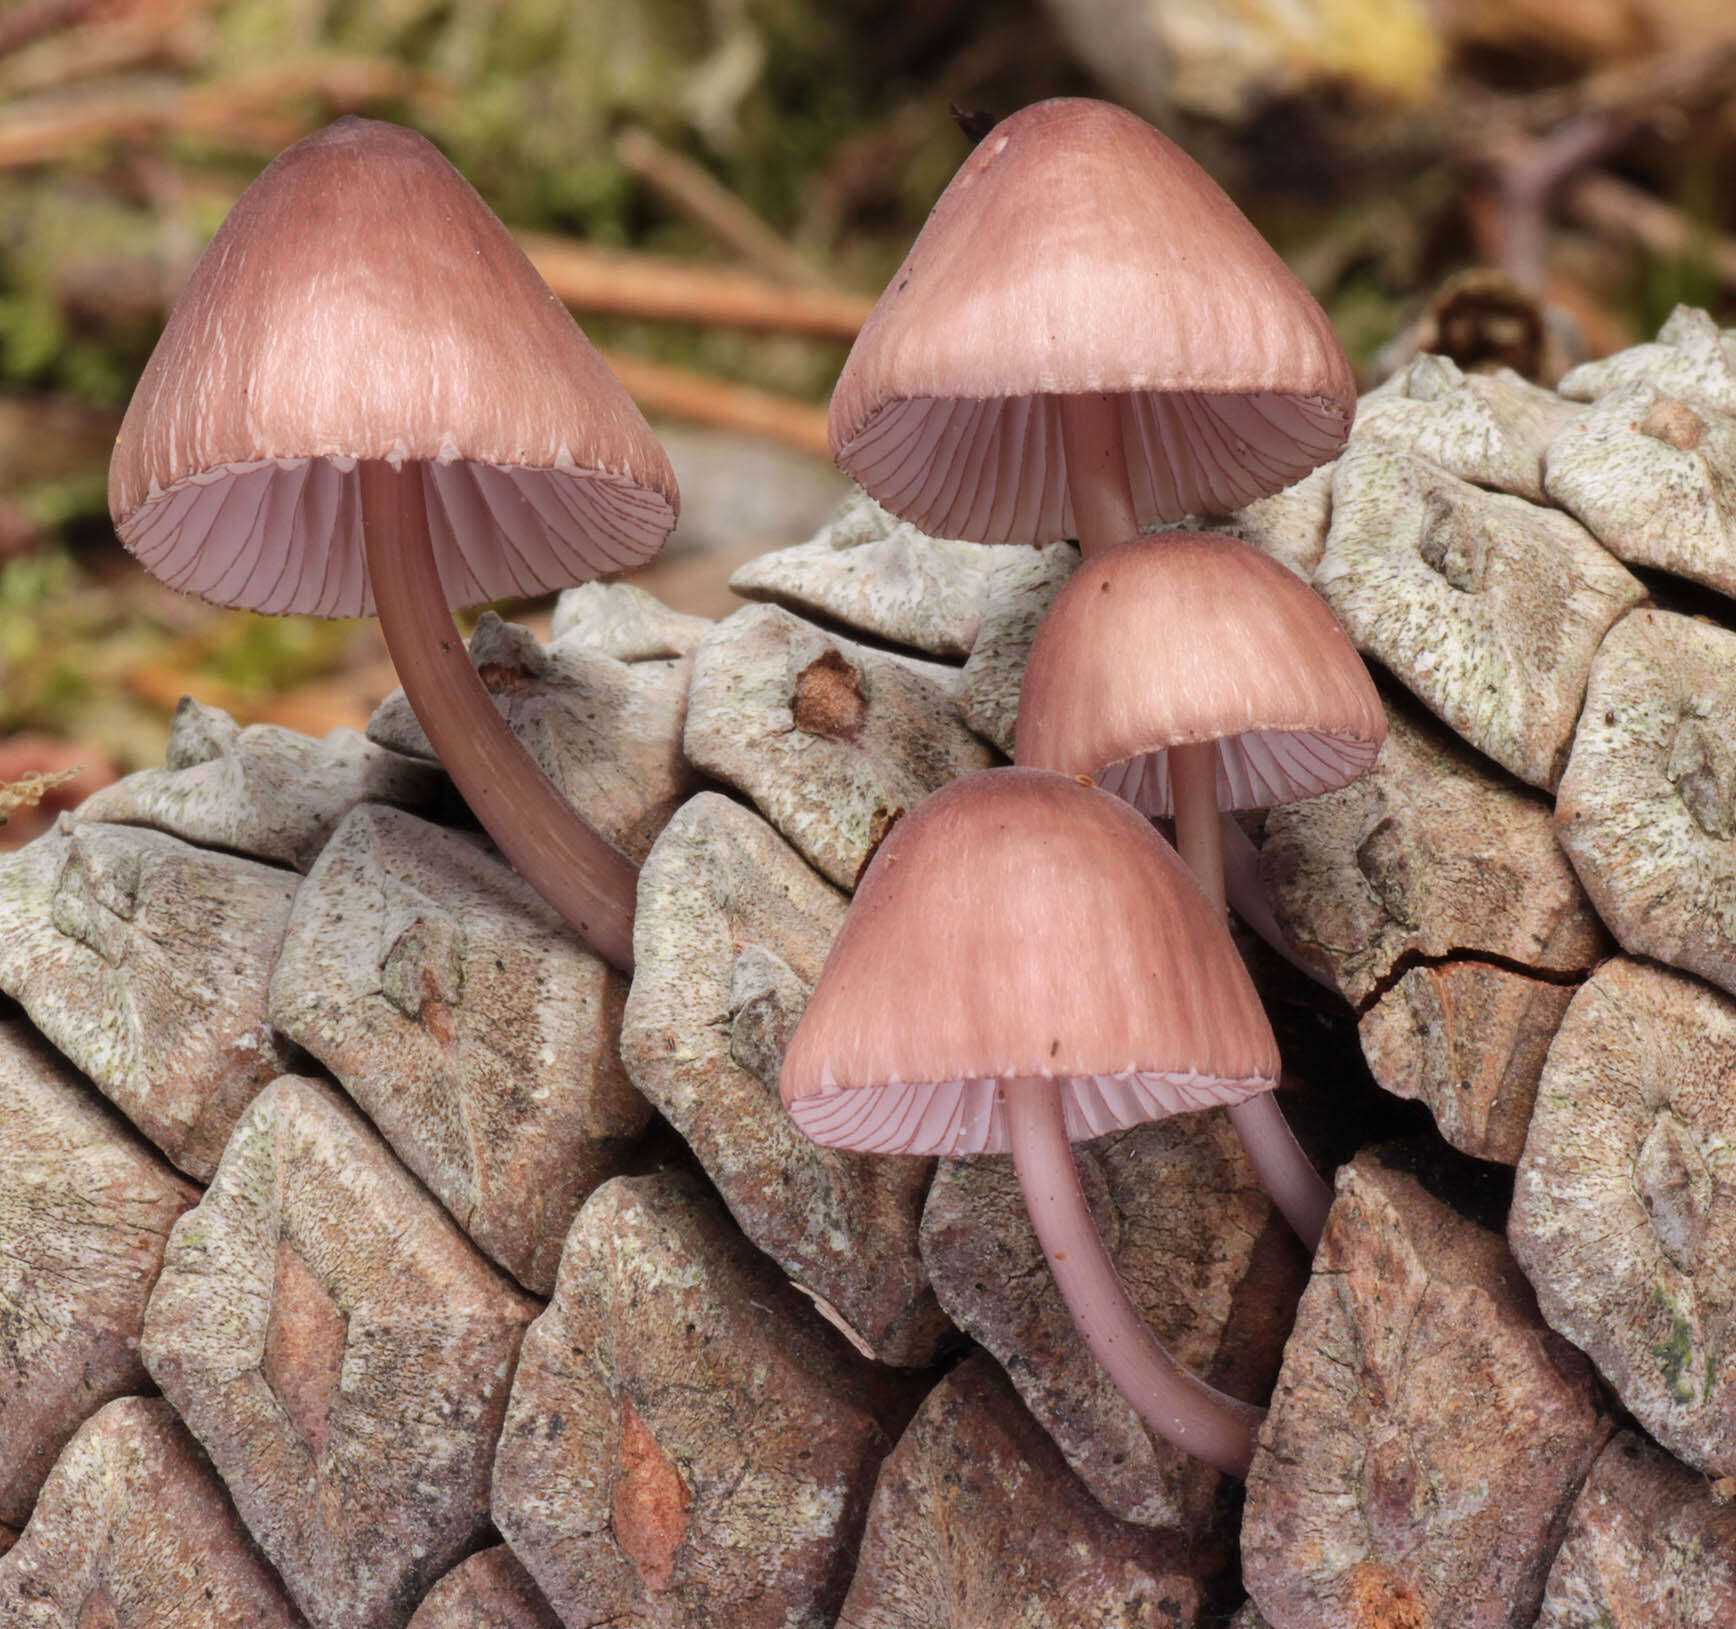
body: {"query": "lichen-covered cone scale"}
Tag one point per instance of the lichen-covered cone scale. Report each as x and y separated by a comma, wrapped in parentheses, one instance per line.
(687, 1443)
(1648, 1543)
(1431, 855)
(468, 1023)
(732, 931)
(265, 792)
(1647, 809)
(1189, 637)
(1622, 1216)
(1486, 607)
(1079, 252)
(341, 1352)
(134, 1531)
(85, 1210)
(1428, 1434)
(234, 476)
(1021, 924)
(145, 961)
(1026, 1544)
(606, 732)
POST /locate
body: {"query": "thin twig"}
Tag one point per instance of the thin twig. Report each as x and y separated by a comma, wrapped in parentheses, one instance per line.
(1526, 149)
(1617, 209)
(226, 108)
(37, 18)
(165, 35)
(1528, 171)
(683, 394)
(1654, 87)
(668, 290)
(699, 195)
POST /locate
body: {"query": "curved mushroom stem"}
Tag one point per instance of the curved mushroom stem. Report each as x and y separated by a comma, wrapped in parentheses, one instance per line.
(591, 883)
(1097, 479)
(1288, 1174)
(1173, 1403)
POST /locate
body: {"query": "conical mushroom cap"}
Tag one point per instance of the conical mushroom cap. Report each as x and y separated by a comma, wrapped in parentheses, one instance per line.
(361, 302)
(1077, 251)
(1188, 637)
(1019, 923)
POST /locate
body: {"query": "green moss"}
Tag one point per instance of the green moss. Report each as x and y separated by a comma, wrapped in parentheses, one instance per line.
(268, 654)
(1675, 1353)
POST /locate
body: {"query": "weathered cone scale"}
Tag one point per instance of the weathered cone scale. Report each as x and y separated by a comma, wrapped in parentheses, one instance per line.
(1649, 475)
(1632, 1145)
(832, 740)
(145, 961)
(1487, 607)
(464, 1017)
(976, 1520)
(687, 1443)
(1647, 810)
(869, 570)
(625, 622)
(342, 1353)
(605, 730)
(1428, 1433)
(1457, 1482)
(1690, 361)
(1431, 857)
(1649, 1543)
(732, 932)
(85, 1211)
(264, 791)
(1492, 429)
(134, 1531)
(1469, 1039)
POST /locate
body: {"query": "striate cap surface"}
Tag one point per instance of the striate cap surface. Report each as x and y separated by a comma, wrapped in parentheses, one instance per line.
(1187, 637)
(362, 302)
(1019, 923)
(1080, 251)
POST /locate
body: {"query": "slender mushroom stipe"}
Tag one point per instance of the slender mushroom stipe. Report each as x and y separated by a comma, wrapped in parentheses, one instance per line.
(589, 881)
(1174, 1404)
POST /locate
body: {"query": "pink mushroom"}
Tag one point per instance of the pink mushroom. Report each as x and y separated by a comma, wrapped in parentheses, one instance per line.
(1087, 336)
(1027, 962)
(367, 399)
(1200, 650)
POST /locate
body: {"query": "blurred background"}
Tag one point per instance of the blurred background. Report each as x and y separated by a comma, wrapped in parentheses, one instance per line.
(719, 188)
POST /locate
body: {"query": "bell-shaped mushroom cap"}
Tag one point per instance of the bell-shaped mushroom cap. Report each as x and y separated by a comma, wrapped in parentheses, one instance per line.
(1188, 637)
(1079, 251)
(1019, 923)
(361, 302)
